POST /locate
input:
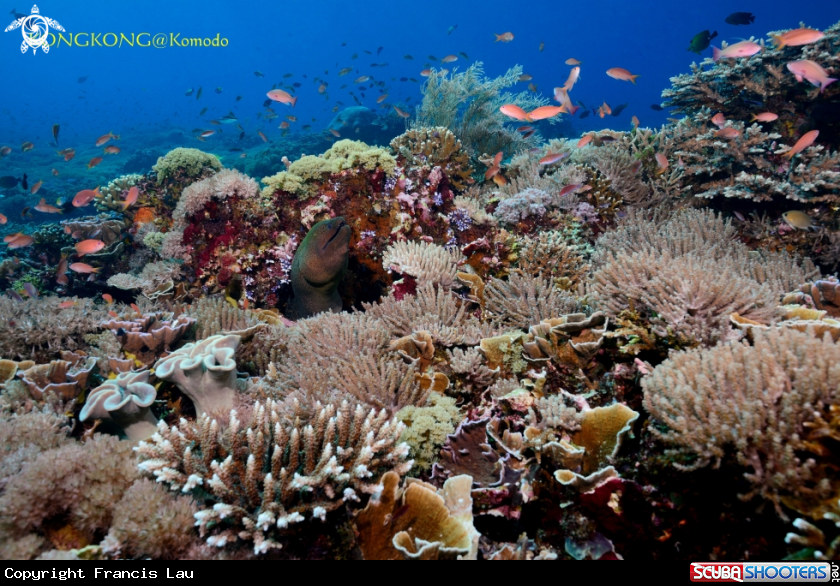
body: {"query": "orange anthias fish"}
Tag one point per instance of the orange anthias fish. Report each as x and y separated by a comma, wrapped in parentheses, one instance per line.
(765, 117)
(573, 61)
(574, 75)
(584, 141)
(544, 112)
(803, 143)
(44, 207)
(449, 59)
(504, 37)
(94, 162)
(499, 180)
(728, 133)
(61, 272)
(36, 187)
(105, 138)
(498, 158)
(108, 299)
(426, 72)
(562, 95)
(515, 112)
(279, 95)
(719, 120)
(553, 158)
(401, 113)
(262, 136)
(284, 125)
(491, 172)
(207, 133)
(322, 88)
(335, 133)
(67, 304)
(69, 156)
(19, 240)
(85, 196)
(3, 219)
(621, 74)
(89, 247)
(80, 267)
(661, 162)
(27, 146)
(131, 198)
(570, 188)
(635, 122)
(381, 98)
(797, 37)
(135, 308)
(111, 150)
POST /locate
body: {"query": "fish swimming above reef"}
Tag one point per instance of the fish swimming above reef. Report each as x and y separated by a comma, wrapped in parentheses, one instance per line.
(812, 72)
(742, 49)
(504, 37)
(700, 41)
(318, 267)
(737, 18)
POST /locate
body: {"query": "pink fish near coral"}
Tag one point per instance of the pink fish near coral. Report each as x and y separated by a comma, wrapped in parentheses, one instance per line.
(553, 158)
(764, 117)
(85, 196)
(811, 71)
(89, 247)
(80, 267)
(797, 37)
(719, 120)
(803, 143)
(544, 112)
(131, 199)
(574, 75)
(661, 163)
(728, 133)
(742, 49)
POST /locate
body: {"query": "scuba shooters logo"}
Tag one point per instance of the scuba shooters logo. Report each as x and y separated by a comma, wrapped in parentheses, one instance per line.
(35, 30)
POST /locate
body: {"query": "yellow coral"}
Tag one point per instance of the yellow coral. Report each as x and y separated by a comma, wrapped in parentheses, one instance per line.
(427, 428)
(282, 181)
(191, 161)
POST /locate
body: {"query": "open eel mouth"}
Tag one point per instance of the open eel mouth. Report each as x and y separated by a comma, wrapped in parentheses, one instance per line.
(337, 230)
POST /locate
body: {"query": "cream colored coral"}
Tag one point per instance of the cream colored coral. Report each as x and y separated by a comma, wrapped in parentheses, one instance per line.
(204, 371)
(428, 263)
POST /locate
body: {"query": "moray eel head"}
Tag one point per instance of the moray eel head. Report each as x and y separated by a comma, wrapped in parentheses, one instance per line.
(319, 264)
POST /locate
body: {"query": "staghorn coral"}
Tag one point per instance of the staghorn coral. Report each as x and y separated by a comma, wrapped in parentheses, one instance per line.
(550, 254)
(433, 309)
(39, 329)
(205, 371)
(756, 401)
(426, 262)
(435, 147)
(687, 274)
(523, 300)
(215, 315)
(185, 163)
(265, 473)
(427, 427)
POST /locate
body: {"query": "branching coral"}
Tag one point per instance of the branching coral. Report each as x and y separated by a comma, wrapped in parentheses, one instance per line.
(687, 275)
(427, 263)
(765, 402)
(523, 300)
(549, 253)
(435, 147)
(39, 329)
(435, 310)
(265, 474)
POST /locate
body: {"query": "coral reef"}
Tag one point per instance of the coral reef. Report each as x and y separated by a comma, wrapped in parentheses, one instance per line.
(185, 164)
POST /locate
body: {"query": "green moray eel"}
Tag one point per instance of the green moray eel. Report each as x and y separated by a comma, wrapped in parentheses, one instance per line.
(319, 264)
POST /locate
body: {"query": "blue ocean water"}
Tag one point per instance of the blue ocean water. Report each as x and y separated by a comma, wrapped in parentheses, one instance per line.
(139, 92)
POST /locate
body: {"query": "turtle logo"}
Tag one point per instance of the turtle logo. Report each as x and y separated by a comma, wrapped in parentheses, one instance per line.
(35, 30)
